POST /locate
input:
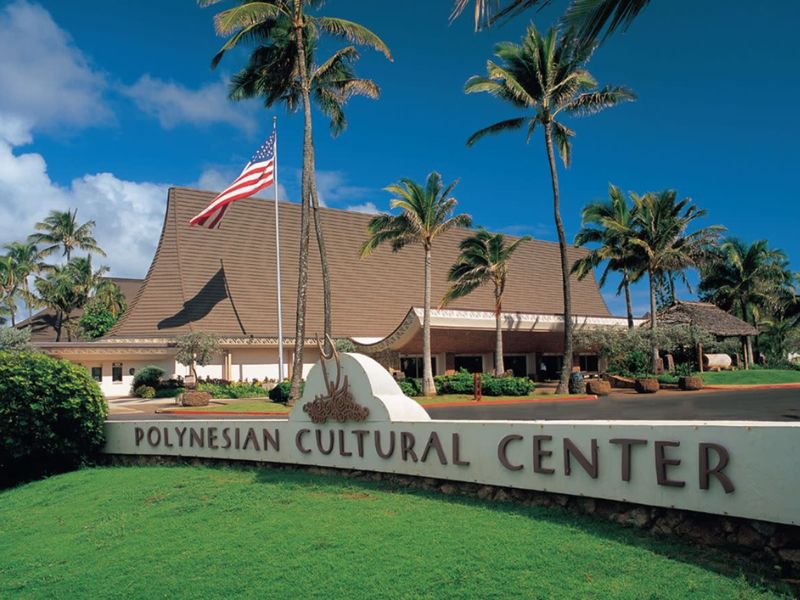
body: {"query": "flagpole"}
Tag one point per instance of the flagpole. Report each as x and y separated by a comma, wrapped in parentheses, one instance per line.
(278, 253)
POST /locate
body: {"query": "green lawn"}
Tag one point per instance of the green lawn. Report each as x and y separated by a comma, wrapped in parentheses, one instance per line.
(174, 532)
(752, 376)
(245, 405)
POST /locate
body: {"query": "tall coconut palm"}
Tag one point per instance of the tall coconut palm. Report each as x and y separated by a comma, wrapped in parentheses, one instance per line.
(545, 77)
(748, 279)
(26, 260)
(60, 229)
(484, 259)
(603, 222)
(283, 31)
(426, 213)
(588, 17)
(109, 295)
(658, 231)
(9, 283)
(66, 288)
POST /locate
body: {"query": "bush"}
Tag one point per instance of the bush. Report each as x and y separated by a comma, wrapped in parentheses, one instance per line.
(236, 389)
(147, 376)
(17, 340)
(506, 386)
(280, 393)
(51, 416)
(635, 363)
(145, 391)
(410, 387)
(169, 392)
(457, 383)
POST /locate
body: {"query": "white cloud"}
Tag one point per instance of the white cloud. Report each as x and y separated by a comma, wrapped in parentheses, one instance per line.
(45, 80)
(332, 188)
(541, 231)
(368, 208)
(174, 104)
(128, 214)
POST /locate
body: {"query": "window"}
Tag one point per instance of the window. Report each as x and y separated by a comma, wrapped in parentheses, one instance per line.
(549, 367)
(116, 372)
(473, 364)
(518, 364)
(97, 373)
(411, 366)
(588, 362)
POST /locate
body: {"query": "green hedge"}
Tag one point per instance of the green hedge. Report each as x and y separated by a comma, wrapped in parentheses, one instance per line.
(462, 383)
(232, 390)
(147, 376)
(280, 393)
(51, 416)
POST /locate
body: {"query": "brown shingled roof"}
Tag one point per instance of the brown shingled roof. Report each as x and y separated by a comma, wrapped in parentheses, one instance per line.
(224, 280)
(707, 316)
(43, 323)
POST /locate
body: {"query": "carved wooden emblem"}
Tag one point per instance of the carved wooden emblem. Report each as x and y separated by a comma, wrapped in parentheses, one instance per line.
(338, 404)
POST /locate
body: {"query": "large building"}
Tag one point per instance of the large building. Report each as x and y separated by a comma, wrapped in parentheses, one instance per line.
(223, 281)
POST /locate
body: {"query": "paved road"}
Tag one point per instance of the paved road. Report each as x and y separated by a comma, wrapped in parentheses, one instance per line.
(755, 405)
(761, 405)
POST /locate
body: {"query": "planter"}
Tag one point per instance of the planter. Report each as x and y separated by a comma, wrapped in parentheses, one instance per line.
(690, 383)
(598, 387)
(194, 399)
(647, 385)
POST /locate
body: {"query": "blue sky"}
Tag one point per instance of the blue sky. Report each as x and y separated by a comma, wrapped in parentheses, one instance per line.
(104, 105)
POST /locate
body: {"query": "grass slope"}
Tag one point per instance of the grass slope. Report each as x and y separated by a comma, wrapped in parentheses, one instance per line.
(752, 377)
(147, 532)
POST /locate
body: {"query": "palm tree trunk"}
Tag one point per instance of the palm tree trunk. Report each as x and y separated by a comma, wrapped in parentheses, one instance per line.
(626, 284)
(748, 342)
(566, 363)
(428, 387)
(323, 260)
(671, 279)
(499, 367)
(58, 325)
(306, 194)
(651, 277)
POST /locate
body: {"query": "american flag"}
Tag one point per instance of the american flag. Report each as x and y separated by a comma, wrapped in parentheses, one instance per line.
(257, 175)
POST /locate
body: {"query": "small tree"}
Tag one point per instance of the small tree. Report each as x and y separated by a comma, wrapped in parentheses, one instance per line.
(96, 320)
(197, 348)
(15, 340)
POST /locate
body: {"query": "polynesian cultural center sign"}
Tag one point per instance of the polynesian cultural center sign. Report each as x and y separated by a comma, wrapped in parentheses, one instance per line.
(354, 416)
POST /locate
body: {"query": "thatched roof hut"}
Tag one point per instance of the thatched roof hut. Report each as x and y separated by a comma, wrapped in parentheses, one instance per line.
(706, 316)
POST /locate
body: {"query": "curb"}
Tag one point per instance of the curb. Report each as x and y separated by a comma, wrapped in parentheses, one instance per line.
(753, 386)
(210, 413)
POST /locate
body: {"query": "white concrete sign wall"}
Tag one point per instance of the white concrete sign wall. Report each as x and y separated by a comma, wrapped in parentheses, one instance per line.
(733, 468)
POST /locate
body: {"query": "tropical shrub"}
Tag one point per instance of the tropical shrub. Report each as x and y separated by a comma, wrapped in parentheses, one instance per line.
(280, 393)
(507, 386)
(96, 320)
(51, 416)
(145, 391)
(457, 383)
(169, 392)
(410, 387)
(236, 389)
(13, 339)
(147, 376)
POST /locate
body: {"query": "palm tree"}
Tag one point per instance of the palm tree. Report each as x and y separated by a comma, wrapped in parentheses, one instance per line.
(61, 230)
(545, 76)
(26, 259)
(66, 288)
(658, 230)
(588, 17)
(109, 295)
(749, 279)
(484, 259)
(9, 283)
(603, 223)
(284, 31)
(426, 213)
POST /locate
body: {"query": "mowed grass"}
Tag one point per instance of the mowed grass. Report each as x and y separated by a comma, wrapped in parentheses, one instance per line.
(177, 532)
(751, 377)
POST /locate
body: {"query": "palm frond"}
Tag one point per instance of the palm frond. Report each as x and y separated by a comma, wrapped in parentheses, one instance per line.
(506, 125)
(353, 32)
